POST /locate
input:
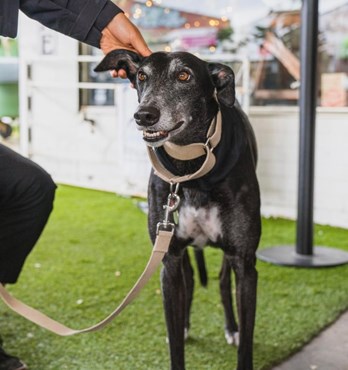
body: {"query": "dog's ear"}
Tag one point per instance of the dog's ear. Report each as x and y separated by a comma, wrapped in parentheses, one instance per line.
(223, 80)
(121, 59)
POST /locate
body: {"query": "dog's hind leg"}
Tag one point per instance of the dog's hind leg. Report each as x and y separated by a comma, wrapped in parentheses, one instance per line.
(173, 287)
(189, 286)
(231, 327)
(246, 280)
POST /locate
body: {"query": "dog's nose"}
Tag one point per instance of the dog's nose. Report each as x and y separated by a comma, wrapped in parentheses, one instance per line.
(147, 116)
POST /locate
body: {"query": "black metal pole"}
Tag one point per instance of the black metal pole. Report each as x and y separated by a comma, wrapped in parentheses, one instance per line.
(305, 255)
(308, 103)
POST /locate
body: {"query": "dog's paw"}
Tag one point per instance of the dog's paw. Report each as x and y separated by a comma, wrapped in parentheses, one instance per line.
(232, 338)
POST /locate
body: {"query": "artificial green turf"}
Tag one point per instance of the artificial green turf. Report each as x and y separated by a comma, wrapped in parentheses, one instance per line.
(71, 275)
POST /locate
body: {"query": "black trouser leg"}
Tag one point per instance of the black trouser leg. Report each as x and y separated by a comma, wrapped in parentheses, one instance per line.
(26, 201)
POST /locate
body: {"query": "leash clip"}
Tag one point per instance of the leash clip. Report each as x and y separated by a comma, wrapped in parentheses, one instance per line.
(173, 202)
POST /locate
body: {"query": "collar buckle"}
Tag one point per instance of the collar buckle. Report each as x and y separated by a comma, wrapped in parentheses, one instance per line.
(208, 145)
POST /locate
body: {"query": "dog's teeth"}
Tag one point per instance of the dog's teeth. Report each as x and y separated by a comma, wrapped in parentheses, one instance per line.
(153, 134)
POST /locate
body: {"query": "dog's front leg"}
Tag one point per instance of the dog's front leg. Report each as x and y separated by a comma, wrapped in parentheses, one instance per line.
(246, 279)
(189, 286)
(231, 327)
(173, 288)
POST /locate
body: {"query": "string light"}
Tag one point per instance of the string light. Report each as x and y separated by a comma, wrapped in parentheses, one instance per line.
(214, 23)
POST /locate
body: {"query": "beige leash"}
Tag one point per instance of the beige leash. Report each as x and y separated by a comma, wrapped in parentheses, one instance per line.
(159, 250)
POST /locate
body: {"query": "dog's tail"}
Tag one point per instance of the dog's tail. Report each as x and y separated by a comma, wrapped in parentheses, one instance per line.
(202, 270)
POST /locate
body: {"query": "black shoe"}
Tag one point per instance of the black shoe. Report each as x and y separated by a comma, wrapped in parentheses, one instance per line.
(8, 362)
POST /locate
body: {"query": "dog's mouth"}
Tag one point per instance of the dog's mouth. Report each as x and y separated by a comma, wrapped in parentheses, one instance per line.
(152, 136)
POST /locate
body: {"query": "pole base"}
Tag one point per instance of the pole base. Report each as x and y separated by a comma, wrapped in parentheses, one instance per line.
(286, 256)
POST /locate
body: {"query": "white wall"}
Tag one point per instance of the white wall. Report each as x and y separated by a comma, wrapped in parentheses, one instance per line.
(277, 132)
(110, 155)
(331, 193)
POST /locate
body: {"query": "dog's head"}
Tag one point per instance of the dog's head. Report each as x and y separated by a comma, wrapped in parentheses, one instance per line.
(176, 93)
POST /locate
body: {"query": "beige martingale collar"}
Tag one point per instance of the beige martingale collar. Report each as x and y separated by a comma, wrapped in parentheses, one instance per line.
(189, 152)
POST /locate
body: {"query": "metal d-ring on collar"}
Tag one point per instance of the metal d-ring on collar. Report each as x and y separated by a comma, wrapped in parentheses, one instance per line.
(189, 152)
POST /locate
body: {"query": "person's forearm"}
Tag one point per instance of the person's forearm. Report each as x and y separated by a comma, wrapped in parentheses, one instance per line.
(82, 20)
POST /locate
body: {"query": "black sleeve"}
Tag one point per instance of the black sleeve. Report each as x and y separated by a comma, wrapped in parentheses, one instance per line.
(9, 17)
(82, 20)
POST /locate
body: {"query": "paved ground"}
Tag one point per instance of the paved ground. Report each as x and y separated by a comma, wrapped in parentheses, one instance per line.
(328, 351)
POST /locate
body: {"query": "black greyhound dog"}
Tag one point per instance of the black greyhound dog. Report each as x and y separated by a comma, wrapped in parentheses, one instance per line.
(179, 97)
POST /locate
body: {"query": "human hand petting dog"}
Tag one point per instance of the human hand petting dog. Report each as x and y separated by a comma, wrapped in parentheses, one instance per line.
(121, 33)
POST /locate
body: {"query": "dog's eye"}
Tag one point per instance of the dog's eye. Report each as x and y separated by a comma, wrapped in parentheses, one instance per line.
(142, 76)
(184, 76)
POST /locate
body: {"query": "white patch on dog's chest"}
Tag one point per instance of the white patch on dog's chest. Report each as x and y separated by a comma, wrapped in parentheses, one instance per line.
(199, 224)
